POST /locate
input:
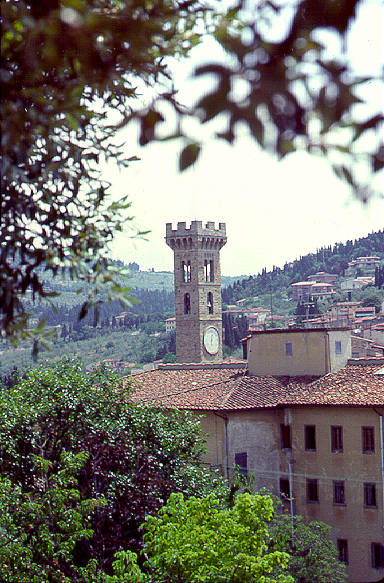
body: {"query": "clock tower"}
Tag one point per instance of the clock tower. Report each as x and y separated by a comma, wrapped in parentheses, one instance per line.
(197, 290)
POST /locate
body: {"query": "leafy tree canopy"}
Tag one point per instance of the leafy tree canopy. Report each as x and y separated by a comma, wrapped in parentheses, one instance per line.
(65, 66)
(131, 459)
(68, 63)
(313, 556)
(39, 531)
(199, 541)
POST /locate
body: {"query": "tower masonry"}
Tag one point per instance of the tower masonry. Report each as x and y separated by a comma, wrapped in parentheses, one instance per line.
(197, 280)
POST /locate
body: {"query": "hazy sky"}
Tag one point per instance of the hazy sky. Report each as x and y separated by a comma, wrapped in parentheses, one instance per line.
(274, 211)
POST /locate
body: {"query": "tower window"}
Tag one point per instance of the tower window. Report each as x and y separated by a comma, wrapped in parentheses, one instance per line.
(210, 302)
(370, 495)
(186, 271)
(338, 346)
(368, 439)
(208, 270)
(187, 304)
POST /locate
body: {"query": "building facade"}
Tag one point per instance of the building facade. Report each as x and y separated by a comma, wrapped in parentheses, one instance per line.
(305, 420)
(197, 282)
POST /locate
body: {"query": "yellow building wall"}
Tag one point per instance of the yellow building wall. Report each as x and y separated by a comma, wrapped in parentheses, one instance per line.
(213, 427)
(257, 433)
(267, 356)
(359, 525)
(313, 352)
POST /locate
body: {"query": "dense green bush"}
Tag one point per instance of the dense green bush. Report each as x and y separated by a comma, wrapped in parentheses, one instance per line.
(133, 457)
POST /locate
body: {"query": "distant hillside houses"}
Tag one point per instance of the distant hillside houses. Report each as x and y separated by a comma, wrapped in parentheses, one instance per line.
(304, 290)
(170, 325)
(353, 283)
(256, 317)
(352, 314)
(359, 273)
(318, 286)
(363, 266)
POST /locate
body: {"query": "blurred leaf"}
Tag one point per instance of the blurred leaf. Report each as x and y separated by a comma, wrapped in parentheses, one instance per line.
(371, 123)
(188, 156)
(378, 159)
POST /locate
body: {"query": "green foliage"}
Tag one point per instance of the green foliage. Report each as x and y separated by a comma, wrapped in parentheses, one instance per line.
(132, 457)
(379, 277)
(65, 67)
(200, 541)
(235, 328)
(313, 556)
(372, 297)
(40, 528)
(92, 345)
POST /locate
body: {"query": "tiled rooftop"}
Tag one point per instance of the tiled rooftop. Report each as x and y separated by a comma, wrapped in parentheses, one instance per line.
(231, 389)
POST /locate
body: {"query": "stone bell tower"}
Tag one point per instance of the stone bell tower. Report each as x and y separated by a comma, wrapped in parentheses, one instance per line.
(197, 290)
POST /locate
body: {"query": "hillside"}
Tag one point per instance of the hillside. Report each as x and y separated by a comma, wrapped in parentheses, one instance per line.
(333, 259)
(136, 279)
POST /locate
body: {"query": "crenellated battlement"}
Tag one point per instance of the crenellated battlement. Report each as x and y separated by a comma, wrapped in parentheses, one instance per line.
(197, 236)
(196, 228)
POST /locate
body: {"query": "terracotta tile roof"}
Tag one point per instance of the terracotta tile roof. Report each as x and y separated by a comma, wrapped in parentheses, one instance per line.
(231, 389)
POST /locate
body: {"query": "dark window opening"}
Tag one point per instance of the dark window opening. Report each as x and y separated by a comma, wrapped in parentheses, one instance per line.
(338, 346)
(285, 435)
(210, 302)
(336, 438)
(342, 547)
(284, 488)
(310, 437)
(186, 271)
(370, 495)
(208, 270)
(312, 491)
(368, 439)
(241, 463)
(187, 304)
(338, 493)
(288, 348)
(377, 555)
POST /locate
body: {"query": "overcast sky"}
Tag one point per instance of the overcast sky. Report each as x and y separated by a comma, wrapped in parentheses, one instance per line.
(274, 211)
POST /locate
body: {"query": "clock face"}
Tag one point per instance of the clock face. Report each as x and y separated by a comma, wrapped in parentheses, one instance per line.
(211, 340)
